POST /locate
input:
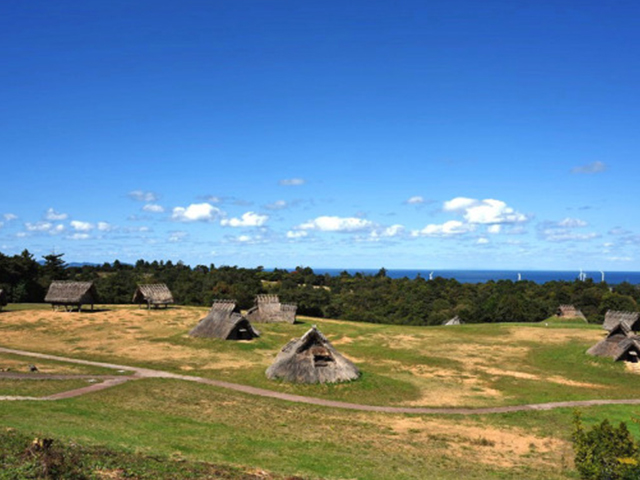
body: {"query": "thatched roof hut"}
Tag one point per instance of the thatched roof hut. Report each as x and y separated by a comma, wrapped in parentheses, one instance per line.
(224, 321)
(71, 294)
(454, 321)
(155, 294)
(268, 309)
(3, 298)
(312, 359)
(620, 344)
(612, 318)
(569, 311)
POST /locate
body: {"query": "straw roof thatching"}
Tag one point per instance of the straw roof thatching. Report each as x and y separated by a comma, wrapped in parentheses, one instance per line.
(620, 344)
(71, 293)
(311, 359)
(268, 309)
(612, 318)
(569, 311)
(454, 321)
(153, 294)
(224, 321)
(3, 298)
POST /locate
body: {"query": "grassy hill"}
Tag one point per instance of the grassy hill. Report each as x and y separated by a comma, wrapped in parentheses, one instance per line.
(459, 366)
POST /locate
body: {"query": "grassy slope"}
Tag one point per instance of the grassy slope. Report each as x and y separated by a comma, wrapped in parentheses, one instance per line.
(471, 365)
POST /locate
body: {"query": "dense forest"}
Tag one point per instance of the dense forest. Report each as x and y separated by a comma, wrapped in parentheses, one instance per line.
(368, 298)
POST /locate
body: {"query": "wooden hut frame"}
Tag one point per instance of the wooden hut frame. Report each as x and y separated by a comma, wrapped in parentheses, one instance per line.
(312, 359)
(153, 294)
(268, 309)
(224, 321)
(71, 294)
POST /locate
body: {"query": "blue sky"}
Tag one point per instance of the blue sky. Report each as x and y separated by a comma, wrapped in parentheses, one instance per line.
(443, 134)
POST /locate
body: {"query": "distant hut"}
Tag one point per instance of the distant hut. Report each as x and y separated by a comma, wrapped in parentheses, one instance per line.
(569, 311)
(224, 321)
(612, 318)
(454, 321)
(312, 359)
(3, 299)
(155, 294)
(621, 344)
(71, 294)
(268, 309)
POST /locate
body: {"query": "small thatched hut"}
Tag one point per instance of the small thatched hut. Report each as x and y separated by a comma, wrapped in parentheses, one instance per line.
(70, 294)
(454, 321)
(155, 294)
(620, 344)
(569, 311)
(3, 299)
(268, 309)
(312, 359)
(612, 318)
(224, 321)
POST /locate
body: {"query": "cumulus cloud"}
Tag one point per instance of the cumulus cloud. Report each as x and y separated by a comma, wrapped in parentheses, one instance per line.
(248, 239)
(10, 216)
(142, 196)
(196, 212)
(153, 208)
(292, 182)
(81, 226)
(593, 167)
(572, 223)
(415, 200)
(388, 232)
(105, 227)
(294, 234)
(338, 224)
(42, 227)
(54, 216)
(447, 229)
(482, 241)
(249, 219)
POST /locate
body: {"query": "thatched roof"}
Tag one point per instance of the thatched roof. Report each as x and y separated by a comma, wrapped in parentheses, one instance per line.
(454, 321)
(618, 344)
(268, 309)
(153, 294)
(224, 321)
(612, 318)
(3, 298)
(71, 293)
(569, 311)
(312, 359)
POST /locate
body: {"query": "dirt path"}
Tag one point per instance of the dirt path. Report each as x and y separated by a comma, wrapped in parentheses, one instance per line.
(140, 373)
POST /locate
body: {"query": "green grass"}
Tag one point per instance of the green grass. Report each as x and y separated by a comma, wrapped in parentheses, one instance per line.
(38, 388)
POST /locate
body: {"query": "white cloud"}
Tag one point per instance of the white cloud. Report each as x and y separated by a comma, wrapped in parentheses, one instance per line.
(277, 205)
(177, 236)
(81, 226)
(153, 208)
(292, 182)
(482, 241)
(293, 234)
(58, 229)
(79, 236)
(249, 219)
(105, 227)
(196, 212)
(338, 224)
(572, 223)
(415, 200)
(53, 216)
(593, 167)
(388, 232)
(142, 196)
(494, 228)
(10, 216)
(249, 239)
(484, 212)
(447, 229)
(38, 226)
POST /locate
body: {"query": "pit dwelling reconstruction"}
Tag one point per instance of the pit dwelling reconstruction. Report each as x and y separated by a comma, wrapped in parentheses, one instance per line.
(71, 294)
(268, 309)
(224, 321)
(312, 359)
(153, 294)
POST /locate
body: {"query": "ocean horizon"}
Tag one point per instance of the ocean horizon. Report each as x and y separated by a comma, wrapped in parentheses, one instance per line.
(482, 276)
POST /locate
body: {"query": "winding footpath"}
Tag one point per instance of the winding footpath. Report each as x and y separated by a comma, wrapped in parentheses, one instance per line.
(137, 373)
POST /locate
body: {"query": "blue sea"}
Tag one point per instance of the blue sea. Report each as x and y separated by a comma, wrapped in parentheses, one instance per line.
(481, 276)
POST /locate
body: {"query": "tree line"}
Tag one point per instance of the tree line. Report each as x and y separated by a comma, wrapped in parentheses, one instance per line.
(369, 298)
